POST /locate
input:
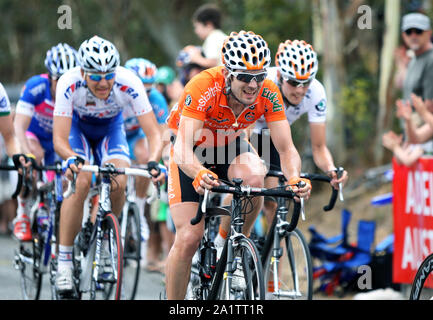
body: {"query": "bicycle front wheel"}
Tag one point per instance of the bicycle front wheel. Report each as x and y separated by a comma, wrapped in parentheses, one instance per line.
(422, 286)
(110, 276)
(292, 276)
(28, 261)
(131, 252)
(247, 280)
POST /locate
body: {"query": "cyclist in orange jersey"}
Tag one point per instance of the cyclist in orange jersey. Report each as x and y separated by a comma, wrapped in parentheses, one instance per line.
(210, 143)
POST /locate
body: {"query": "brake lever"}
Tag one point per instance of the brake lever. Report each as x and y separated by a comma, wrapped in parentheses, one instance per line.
(340, 171)
(301, 184)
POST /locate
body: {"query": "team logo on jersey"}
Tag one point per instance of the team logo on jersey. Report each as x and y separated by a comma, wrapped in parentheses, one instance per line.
(188, 100)
(3, 103)
(272, 97)
(249, 116)
(321, 106)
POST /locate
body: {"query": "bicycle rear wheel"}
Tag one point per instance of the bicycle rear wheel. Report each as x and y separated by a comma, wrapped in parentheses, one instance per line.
(295, 270)
(131, 253)
(109, 284)
(247, 281)
(422, 286)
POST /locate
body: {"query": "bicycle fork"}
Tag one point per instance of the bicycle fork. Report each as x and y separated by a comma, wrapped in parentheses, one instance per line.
(277, 252)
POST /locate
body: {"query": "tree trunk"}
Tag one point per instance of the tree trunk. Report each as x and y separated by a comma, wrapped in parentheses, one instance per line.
(333, 77)
(390, 42)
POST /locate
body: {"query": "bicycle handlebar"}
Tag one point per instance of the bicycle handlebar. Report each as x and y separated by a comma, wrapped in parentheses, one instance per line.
(315, 177)
(143, 172)
(250, 191)
(323, 178)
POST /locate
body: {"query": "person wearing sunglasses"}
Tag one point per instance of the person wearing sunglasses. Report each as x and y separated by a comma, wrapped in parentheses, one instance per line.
(210, 143)
(88, 125)
(139, 150)
(33, 122)
(416, 34)
(295, 74)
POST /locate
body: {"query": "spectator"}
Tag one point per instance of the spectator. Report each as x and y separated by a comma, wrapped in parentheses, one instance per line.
(404, 152)
(416, 33)
(168, 85)
(188, 69)
(207, 24)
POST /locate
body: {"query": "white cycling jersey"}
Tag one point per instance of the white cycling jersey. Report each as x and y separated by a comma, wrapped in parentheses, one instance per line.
(314, 104)
(72, 96)
(5, 105)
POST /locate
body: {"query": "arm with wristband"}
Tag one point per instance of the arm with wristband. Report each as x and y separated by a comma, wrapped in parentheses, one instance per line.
(290, 159)
(186, 160)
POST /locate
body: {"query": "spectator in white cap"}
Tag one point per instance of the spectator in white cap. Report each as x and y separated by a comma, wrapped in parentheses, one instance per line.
(416, 33)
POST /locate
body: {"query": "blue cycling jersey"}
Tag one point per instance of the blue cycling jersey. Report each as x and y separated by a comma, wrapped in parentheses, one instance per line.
(36, 102)
(159, 107)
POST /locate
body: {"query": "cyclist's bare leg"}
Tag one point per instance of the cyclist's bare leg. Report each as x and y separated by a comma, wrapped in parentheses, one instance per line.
(118, 186)
(269, 207)
(36, 149)
(250, 169)
(71, 212)
(185, 244)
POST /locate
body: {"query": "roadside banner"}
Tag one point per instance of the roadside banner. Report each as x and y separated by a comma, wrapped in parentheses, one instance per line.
(413, 217)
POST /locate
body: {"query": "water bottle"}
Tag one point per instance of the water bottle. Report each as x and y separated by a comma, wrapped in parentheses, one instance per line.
(43, 219)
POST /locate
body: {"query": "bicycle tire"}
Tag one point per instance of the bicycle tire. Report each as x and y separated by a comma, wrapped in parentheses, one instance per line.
(423, 275)
(131, 253)
(295, 253)
(251, 271)
(28, 262)
(109, 284)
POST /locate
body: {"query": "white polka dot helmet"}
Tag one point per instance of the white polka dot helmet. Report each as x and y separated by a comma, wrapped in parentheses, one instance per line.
(296, 60)
(98, 55)
(245, 51)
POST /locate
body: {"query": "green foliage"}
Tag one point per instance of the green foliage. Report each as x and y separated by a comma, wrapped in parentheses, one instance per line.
(359, 107)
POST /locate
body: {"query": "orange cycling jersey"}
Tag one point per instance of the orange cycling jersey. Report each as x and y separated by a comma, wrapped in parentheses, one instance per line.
(203, 99)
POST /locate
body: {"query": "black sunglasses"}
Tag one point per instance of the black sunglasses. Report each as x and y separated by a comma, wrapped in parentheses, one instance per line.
(411, 30)
(248, 77)
(297, 84)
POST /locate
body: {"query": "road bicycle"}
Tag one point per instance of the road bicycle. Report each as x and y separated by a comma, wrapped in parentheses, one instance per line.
(286, 259)
(238, 274)
(36, 257)
(131, 226)
(98, 248)
(422, 285)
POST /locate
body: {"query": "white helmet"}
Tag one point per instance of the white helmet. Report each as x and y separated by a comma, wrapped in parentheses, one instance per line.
(245, 51)
(98, 55)
(296, 60)
(60, 59)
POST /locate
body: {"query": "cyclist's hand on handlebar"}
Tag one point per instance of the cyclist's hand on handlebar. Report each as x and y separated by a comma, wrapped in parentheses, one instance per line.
(23, 160)
(301, 191)
(205, 179)
(333, 174)
(72, 165)
(158, 174)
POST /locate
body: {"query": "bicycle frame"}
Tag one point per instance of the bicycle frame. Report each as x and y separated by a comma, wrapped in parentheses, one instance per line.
(226, 266)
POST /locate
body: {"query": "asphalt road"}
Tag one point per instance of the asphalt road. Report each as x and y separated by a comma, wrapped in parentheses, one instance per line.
(150, 287)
